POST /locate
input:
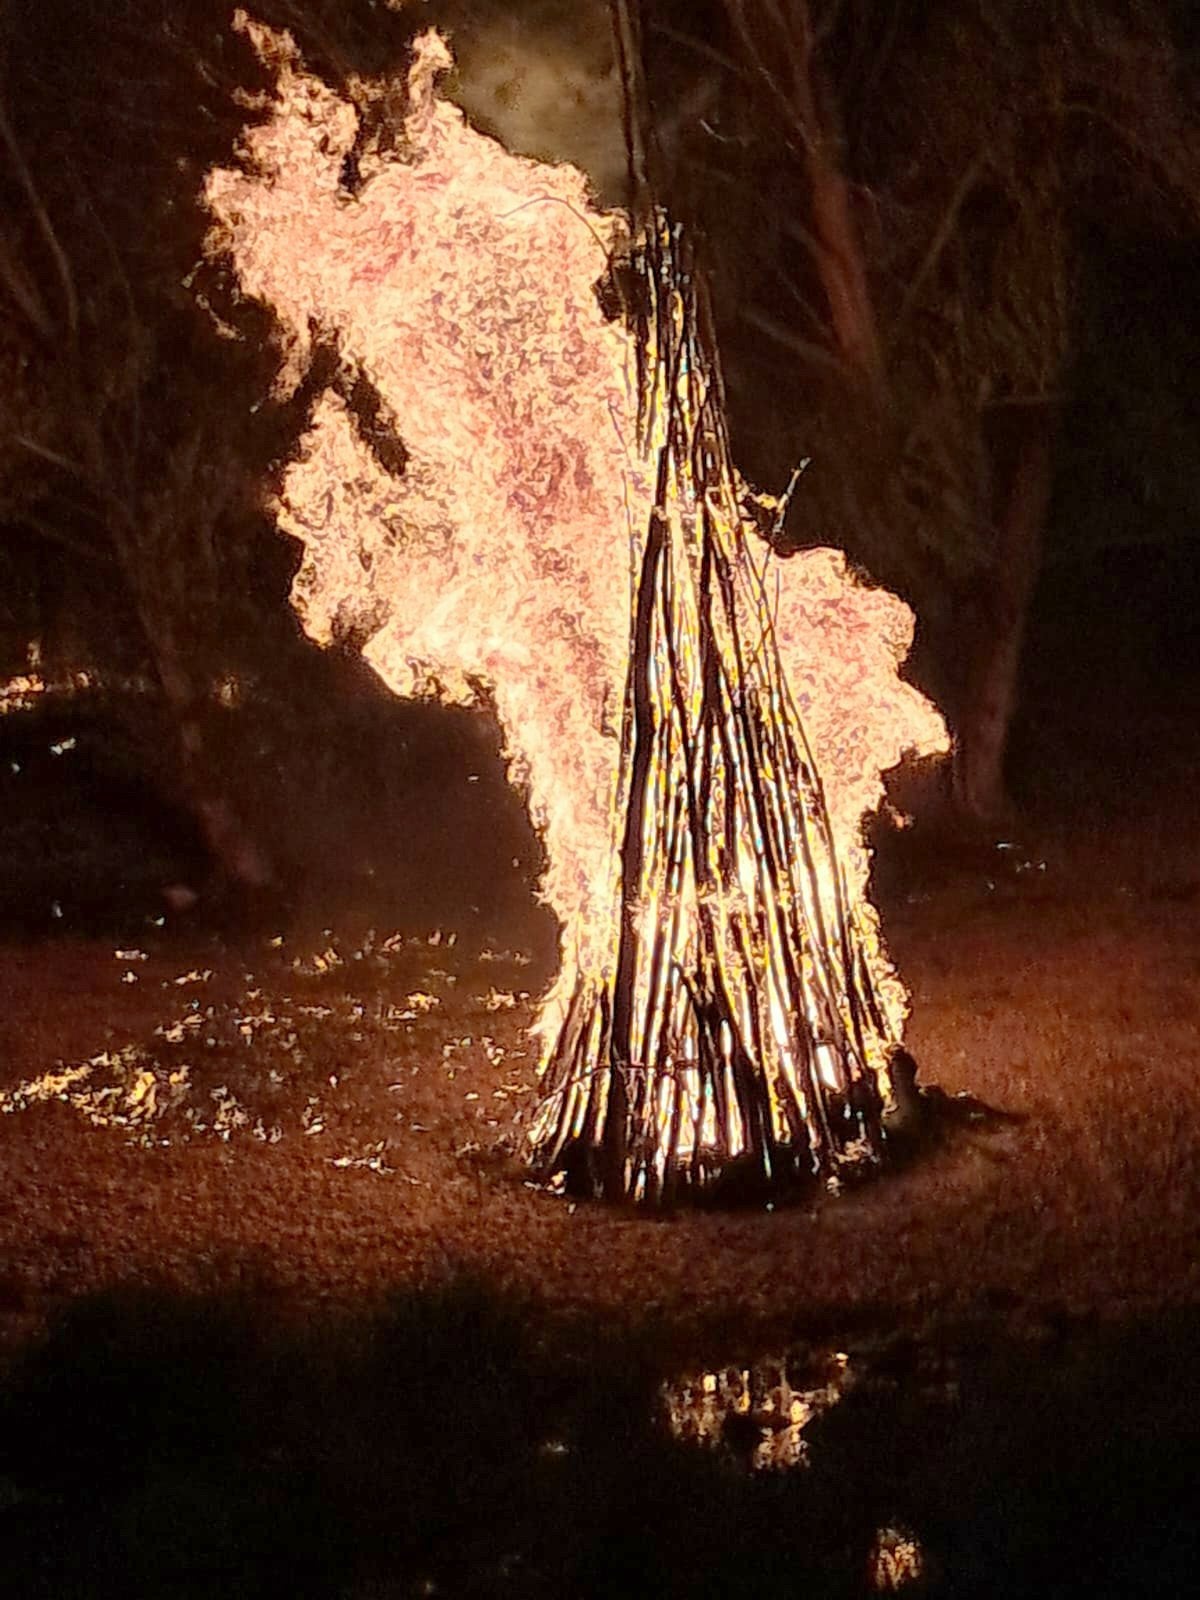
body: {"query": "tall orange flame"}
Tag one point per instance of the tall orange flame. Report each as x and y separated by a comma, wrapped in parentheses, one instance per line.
(567, 537)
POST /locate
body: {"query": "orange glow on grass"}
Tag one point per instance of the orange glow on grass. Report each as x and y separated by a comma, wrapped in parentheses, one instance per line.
(566, 506)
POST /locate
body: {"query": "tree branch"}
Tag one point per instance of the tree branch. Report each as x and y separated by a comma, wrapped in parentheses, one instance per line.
(22, 289)
(46, 227)
(792, 341)
(937, 244)
(47, 530)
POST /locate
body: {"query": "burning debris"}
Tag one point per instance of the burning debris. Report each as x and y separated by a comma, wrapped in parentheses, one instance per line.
(233, 1062)
(560, 535)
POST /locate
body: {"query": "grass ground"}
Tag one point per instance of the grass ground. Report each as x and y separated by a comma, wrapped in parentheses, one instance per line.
(261, 1235)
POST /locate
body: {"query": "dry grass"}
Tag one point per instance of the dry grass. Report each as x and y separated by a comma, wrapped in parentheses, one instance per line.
(238, 1344)
(1066, 996)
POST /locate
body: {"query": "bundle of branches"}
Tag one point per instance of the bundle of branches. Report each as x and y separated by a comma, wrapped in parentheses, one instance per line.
(736, 1028)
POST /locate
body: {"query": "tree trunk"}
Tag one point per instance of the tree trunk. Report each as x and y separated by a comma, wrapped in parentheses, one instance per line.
(995, 628)
(232, 847)
(843, 272)
(781, 48)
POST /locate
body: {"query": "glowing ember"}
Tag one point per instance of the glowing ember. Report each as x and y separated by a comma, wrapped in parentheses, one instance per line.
(506, 497)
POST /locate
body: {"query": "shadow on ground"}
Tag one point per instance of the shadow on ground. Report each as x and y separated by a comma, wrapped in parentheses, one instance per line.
(460, 1443)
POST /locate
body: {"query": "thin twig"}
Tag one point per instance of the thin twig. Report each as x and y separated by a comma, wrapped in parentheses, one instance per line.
(42, 217)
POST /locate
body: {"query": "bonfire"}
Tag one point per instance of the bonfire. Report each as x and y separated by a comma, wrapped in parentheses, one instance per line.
(516, 490)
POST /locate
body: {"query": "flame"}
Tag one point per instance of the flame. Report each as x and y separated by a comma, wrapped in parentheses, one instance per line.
(566, 507)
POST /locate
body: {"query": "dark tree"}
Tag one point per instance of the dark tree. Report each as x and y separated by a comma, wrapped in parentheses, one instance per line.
(894, 201)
